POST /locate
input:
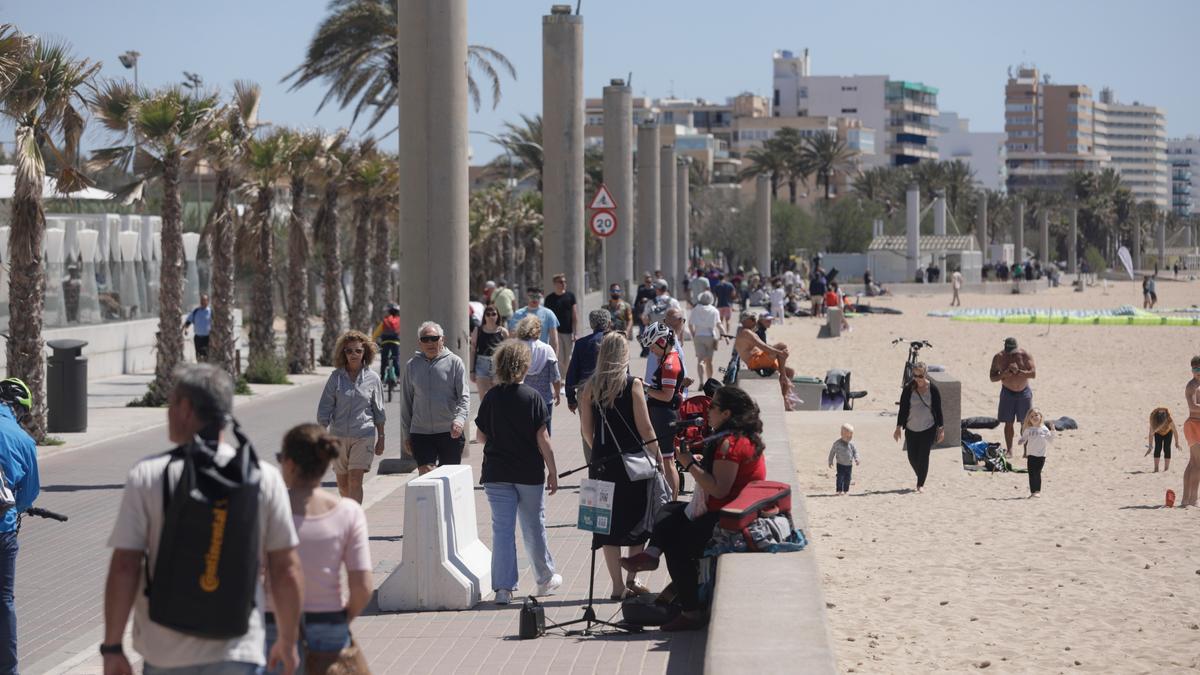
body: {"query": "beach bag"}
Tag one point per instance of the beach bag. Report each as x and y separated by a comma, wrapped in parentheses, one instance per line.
(533, 619)
(206, 573)
(349, 660)
(638, 464)
(648, 609)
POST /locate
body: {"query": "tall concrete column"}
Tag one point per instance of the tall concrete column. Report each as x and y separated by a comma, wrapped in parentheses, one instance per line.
(912, 227)
(1136, 248)
(1044, 244)
(647, 198)
(683, 219)
(433, 167)
(1162, 240)
(562, 144)
(669, 257)
(939, 228)
(981, 225)
(1073, 245)
(618, 177)
(762, 225)
(1019, 233)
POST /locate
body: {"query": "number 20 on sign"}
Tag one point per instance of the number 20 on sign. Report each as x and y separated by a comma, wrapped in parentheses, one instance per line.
(604, 223)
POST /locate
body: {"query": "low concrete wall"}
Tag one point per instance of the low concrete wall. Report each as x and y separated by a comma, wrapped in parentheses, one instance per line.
(768, 610)
(943, 288)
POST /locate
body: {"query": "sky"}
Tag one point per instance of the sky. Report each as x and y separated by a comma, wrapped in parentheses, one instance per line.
(694, 48)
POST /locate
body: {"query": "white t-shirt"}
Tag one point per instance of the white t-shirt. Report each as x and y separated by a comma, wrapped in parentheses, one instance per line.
(1037, 440)
(704, 319)
(789, 278)
(777, 297)
(957, 279)
(139, 527)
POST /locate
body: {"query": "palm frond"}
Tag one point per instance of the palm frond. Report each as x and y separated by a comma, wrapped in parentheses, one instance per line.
(246, 96)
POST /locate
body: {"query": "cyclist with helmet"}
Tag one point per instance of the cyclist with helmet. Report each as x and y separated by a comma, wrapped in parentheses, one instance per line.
(663, 392)
(18, 460)
(387, 334)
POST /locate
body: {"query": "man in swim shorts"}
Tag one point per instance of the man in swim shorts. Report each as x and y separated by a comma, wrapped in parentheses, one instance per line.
(1013, 367)
(1191, 433)
(757, 354)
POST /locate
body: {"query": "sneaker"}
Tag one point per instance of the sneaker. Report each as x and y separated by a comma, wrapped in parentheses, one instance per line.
(503, 596)
(549, 587)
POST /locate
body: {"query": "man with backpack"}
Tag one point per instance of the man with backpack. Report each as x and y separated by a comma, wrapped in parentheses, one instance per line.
(195, 526)
(19, 486)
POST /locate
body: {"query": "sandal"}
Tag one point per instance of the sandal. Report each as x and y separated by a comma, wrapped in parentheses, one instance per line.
(642, 562)
(636, 587)
(625, 593)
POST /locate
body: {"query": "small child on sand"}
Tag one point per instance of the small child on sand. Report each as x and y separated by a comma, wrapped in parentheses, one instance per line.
(846, 454)
(1162, 432)
(1036, 435)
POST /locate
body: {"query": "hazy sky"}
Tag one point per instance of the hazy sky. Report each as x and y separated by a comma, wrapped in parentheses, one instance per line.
(693, 48)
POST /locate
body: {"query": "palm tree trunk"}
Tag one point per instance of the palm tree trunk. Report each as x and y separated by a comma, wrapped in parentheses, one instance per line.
(327, 219)
(827, 178)
(27, 281)
(170, 287)
(297, 310)
(262, 317)
(222, 339)
(792, 190)
(380, 267)
(359, 304)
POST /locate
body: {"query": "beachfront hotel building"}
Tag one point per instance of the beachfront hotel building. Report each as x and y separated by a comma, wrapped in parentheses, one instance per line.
(902, 113)
(1183, 155)
(983, 151)
(1053, 130)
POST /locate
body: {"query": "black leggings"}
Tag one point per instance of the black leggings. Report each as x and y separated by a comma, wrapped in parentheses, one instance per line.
(682, 541)
(1162, 445)
(1035, 465)
(918, 444)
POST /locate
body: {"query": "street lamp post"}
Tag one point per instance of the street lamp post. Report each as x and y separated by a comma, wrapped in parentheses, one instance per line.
(130, 60)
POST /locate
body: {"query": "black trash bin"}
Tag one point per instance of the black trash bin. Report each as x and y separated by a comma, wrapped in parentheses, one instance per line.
(66, 386)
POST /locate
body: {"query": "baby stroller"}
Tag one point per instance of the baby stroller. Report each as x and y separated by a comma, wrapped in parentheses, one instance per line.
(838, 394)
(688, 437)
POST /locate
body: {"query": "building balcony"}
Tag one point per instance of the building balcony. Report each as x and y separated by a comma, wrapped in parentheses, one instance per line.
(924, 151)
(902, 126)
(908, 105)
(1182, 189)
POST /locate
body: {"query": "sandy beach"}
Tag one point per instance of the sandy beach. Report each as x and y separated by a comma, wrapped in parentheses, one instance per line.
(1095, 576)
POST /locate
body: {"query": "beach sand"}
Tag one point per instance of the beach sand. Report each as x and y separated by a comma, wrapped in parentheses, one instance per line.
(1094, 576)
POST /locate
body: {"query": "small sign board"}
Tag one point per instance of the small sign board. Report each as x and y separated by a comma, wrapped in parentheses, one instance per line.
(596, 505)
(603, 223)
(603, 199)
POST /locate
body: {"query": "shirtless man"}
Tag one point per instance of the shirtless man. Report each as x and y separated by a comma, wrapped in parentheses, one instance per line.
(1191, 432)
(755, 354)
(1013, 368)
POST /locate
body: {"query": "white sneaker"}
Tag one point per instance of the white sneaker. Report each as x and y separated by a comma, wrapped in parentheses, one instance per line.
(550, 586)
(503, 596)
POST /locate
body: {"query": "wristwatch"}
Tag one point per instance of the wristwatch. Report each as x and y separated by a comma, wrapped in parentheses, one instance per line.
(111, 650)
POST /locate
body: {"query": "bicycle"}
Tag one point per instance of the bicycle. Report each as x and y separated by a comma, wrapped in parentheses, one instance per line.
(389, 366)
(914, 351)
(39, 513)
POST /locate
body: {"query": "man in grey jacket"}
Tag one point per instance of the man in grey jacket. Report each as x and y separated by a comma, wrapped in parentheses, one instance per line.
(435, 402)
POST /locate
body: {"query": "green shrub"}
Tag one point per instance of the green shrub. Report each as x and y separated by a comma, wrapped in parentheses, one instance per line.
(242, 387)
(268, 371)
(1095, 260)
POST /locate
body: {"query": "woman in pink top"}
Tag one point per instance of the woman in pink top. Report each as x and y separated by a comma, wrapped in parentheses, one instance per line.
(333, 533)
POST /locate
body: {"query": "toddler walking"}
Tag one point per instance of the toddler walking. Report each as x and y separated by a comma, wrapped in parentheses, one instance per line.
(1162, 433)
(846, 454)
(1036, 436)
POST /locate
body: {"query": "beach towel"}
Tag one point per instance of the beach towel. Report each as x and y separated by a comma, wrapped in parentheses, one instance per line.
(980, 423)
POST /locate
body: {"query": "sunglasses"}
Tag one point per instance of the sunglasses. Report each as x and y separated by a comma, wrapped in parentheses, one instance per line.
(354, 350)
(429, 339)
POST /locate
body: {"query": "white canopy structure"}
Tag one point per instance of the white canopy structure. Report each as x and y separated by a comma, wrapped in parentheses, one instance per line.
(8, 184)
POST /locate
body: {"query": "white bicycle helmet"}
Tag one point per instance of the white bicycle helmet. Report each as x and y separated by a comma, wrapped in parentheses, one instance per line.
(657, 332)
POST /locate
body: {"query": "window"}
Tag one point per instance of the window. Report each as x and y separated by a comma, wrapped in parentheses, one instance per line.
(850, 88)
(776, 98)
(1019, 107)
(802, 92)
(849, 110)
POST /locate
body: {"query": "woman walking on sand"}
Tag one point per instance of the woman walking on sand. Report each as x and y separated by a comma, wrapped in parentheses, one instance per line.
(920, 419)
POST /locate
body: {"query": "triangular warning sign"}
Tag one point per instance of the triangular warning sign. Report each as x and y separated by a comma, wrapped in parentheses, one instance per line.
(603, 199)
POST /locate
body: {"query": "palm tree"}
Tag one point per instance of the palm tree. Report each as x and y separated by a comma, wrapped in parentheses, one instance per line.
(163, 127)
(265, 163)
(355, 52)
(828, 156)
(789, 143)
(523, 143)
(41, 85)
(382, 208)
(222, 145)
(332, 179)
(306, 154)
(367, 177)
(767, 159)
(959, 184)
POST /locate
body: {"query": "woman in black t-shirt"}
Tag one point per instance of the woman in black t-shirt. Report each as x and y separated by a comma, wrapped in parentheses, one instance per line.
(511, 424)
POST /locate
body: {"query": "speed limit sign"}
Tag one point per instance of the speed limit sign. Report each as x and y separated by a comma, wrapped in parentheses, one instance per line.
(604, 223)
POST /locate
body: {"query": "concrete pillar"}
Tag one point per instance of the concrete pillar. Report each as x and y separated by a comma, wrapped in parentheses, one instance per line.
(683, 219)
(618, 176)
(981, 225)
(433, 167)
(1073, 244)
(912, 225)
(939, 228)
(1136, 247)
(669, 257)
(1044, 245)
(647, 198)
(562, 144)
(1019, 233)
(1162, 240)
(762, 225)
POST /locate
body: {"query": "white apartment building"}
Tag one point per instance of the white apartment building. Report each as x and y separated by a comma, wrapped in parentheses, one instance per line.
(983, 151)
(1134, 136)
(902, 113)
(1183, 155)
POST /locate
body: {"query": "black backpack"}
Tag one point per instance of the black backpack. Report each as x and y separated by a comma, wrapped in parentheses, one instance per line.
(206, 574)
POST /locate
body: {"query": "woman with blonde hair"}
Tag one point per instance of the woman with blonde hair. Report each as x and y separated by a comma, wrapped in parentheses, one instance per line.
(614, 419)
(544, 375)
(512, 424)
(351, 408)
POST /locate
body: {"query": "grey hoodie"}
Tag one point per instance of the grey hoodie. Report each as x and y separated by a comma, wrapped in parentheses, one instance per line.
(435, 394)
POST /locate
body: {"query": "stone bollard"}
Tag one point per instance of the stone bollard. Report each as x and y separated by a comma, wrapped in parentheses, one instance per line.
(444, 565)
(833, 323)
(951, 391)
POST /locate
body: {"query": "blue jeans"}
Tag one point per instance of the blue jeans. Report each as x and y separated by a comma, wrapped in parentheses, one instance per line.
(218, 668)
(510, 501)
(8, 604)
(318, 637)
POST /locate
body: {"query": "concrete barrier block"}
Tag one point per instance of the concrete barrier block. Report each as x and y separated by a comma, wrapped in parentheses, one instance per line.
(833, 322)
(444, 565)
(951, 390)
(810, 393)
